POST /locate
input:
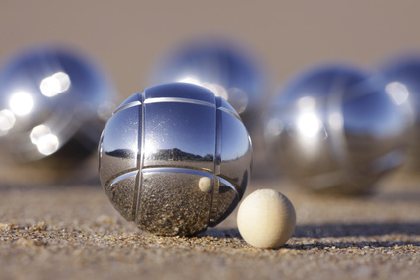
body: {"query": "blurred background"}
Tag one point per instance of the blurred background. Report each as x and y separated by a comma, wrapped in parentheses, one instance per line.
(128, 37)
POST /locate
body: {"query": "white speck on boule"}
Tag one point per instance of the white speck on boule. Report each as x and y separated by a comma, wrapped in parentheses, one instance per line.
(266, 219)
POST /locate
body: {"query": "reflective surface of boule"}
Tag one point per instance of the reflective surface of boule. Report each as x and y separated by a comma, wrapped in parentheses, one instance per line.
(223, 68)
(402, 77)
(51, 98)
(175, 159)
(334, 129)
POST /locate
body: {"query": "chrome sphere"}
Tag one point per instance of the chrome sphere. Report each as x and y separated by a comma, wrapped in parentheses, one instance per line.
(402, 76)
(175, 159)
(222, 68)
(51, 98)
(335, 129)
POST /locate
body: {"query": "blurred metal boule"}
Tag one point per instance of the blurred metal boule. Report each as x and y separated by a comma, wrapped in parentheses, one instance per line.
(175, 159)
(223, 68)
(402, 77)
(53, 106)
(336, 129)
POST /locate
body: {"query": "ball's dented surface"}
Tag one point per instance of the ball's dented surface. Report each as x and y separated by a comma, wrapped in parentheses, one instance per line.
(266, 219)
(175, 159)
(336, 129)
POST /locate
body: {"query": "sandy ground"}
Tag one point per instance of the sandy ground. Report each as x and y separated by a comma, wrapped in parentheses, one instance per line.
(73, 232)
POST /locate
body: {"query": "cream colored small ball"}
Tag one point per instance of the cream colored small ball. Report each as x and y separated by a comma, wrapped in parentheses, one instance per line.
(205, 184)
(266, 219)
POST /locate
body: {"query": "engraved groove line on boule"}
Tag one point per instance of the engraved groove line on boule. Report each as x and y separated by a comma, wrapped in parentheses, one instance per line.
(140, 158)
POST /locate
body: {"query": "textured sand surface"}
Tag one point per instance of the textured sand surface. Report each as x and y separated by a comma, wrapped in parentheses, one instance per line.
(56, 232)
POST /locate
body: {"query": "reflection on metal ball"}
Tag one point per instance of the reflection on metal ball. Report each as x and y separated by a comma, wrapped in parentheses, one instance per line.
(335, 129)
(175, 159)
(222, 68)
(402, 76)
(51, 98)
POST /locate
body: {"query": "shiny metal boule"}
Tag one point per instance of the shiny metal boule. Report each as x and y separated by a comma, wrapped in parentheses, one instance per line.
(175, 159)
(336, 129)
(53, 105)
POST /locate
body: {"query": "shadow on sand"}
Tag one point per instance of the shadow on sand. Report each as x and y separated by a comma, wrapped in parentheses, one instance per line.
(319, 232)
(356, 229)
